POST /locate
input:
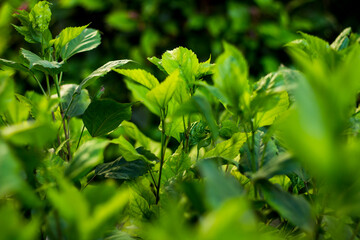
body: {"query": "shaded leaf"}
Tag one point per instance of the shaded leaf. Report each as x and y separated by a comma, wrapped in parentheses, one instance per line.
(14, 65)
(125, 170)
(103, 116)
(45, 66)
(294, 208)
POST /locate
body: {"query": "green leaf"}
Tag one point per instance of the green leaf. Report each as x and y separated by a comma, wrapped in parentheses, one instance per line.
(228, 149)
(162, 94)
(31, 35)
(268, 117)
(132, 131)
(342, 41)
(205, 68)
(140, 93)
(79, 102)
(127, 150)
(14, 65)
(30, 133)
(294, 208)
(125, 170)
(228, 128)
(103, 116)
(10, 179)
(86, 158)
(40, 16)
(219, 187)
(231, 77)
(100, 72)
(280, 165)
(6, 92)
(87, 40)
(181, 59)
(65, 36)
(140, 76)
(198, 104)
(157, 62)
(45, 66)
(175, 166)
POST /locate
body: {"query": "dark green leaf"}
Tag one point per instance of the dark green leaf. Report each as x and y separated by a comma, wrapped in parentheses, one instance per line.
(125, 170)
(35, 62)
(103, 116)
(13, 65)
(294, 208)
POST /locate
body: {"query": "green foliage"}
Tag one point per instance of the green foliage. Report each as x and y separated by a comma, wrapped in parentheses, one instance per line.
(103, 116)
(233, 157)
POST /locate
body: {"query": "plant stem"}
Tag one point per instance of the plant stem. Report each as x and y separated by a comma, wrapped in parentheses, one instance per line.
(48, 85)
(57, 86)
(38, 82)
(82, 131)
(162, 154)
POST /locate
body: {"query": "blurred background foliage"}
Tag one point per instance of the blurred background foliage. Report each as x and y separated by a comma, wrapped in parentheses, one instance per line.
(135, 29)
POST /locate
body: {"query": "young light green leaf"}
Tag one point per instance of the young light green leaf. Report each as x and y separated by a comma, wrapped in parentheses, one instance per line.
(86, 158)
(35, 62)
(139, 92)
(127, 150)
(294, 208)
(40, 16)
(228, 149)
(6, 92)
(205, 68)
(65, 36)
(231, 77)
(103, 116)
(175, 166)
(78, 103)
(342, 41)
(100, 72)
(30, 133)
(268, 117)
(182, 59)
(87, 40)
(140, 76)
(162, 94)
(157, 62)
